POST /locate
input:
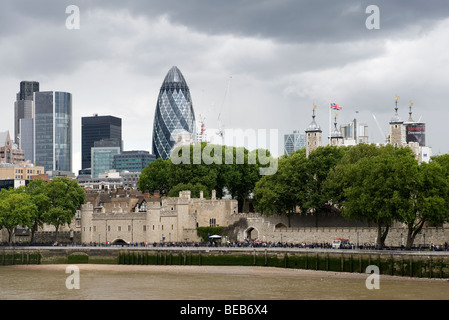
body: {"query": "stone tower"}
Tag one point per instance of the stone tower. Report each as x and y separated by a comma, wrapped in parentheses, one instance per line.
(313, 136)
(397, 134)
(336, 137)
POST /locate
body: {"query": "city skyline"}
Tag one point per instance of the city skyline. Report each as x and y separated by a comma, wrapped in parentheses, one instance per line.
(258, 65)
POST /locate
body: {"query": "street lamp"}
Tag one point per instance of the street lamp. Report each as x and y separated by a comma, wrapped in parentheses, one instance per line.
(71, 236)
(424, 236)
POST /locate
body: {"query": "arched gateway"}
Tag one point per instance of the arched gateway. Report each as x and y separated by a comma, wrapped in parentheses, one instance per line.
(251, 233)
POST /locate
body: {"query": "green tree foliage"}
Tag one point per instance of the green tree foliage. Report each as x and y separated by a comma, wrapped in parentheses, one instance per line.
(373, 187)
(155, 177)
(65, 196)
(297, 185)
(37, 189)
(285, 191)
(16, 209)
(426, 199)
(220, 168)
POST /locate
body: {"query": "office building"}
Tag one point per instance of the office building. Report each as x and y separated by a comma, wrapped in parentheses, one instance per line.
(102, 156)
(53, 130)
(293, 142)
(174, 114)
(133, 161)
(354, 133)
(24, 109)
(97, 128)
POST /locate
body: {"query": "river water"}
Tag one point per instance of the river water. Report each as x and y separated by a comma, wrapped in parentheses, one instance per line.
(108, 282)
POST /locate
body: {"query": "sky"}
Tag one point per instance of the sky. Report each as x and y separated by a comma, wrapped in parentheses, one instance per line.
(255, 64)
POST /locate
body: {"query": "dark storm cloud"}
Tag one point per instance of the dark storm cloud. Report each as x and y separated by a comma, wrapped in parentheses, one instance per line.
(282, 20)
(291, 20)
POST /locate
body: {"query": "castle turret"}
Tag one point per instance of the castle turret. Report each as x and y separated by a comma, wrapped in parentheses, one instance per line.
(313, 135)
(336, 137)
(397, 134)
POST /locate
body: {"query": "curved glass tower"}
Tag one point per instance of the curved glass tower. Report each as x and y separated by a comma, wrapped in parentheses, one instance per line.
(174, 114)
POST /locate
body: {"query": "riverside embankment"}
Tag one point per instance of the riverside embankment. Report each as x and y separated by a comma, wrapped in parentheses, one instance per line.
(419, 264)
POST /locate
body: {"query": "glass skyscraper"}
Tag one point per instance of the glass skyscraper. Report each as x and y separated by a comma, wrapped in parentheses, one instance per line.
(94, 129)
(53, 130)
(293, 142)
(133, 161)
(174, 114)
(23, 109)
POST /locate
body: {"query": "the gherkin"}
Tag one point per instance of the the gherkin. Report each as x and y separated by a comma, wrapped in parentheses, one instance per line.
(174, 114)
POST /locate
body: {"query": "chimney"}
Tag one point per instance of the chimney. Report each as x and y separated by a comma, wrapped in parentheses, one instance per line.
(214, 195)
(156, 194)
(201, 194)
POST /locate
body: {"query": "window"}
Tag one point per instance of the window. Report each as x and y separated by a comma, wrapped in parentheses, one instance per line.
(144, 228)
(119, 228)
(109, 228)
(129, 228)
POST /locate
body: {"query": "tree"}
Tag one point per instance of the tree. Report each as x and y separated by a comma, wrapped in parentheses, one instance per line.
(216, 167)
(16, 209)
(373, 185)
(37, 189)
(155, 177)
(286, 190)
(319, 164)
(337, 179)
(195, 190)
(241, 178)
(188, 164)
(426, 199)
(65, 196)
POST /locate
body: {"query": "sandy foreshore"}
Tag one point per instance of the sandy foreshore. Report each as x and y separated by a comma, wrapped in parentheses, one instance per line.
(220, 270)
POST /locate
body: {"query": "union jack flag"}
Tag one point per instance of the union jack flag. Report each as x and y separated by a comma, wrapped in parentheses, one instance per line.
(334, 106)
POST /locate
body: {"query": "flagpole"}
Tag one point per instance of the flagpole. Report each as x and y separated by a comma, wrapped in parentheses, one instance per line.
(330, 124)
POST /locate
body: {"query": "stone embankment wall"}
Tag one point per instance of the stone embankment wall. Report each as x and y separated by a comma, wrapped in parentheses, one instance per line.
(396, 263)
(310, 229)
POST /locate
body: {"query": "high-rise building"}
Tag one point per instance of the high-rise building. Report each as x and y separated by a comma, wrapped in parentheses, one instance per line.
(26, 141)
(24, 109)
(293, 142)
(133, 161)
(102, 157)
(354, 133)
(174, 115)
(53, 130)
(94, 129)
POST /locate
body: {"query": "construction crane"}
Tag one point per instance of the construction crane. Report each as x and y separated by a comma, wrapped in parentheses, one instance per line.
(220, 131)
(380, 129)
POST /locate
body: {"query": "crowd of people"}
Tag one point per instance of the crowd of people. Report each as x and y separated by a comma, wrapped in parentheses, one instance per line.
(237, 244)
